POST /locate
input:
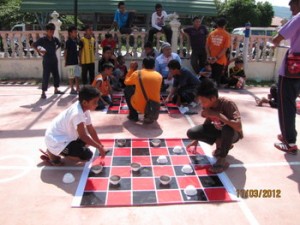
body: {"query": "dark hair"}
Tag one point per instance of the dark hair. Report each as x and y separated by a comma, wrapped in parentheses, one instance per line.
(71, 29)
(238, 60)
(149, 62)
(120, 57)
(196, 18)
(106, 48)
(87, 93)
(207, 89)
(86, 27)
(108, 35)
(121, 3)
(148, 44)
(174, 64)
(50, 26)
(107, 65)
(158, 6)
(221, 22)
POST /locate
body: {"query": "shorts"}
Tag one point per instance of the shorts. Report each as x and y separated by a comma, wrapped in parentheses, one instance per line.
(78, 149)
(73, 71)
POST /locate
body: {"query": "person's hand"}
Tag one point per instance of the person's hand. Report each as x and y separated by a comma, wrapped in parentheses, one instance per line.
(102, 151)
(133, 65)
(192, 145)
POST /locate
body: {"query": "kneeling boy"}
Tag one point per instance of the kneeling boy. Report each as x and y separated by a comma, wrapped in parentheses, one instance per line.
(222, 124)
(67, 136)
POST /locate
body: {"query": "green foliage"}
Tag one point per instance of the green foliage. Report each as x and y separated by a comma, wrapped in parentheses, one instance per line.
(68, 20)
(240, 12)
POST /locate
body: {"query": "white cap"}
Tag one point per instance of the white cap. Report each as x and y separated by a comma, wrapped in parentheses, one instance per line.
(68, 178)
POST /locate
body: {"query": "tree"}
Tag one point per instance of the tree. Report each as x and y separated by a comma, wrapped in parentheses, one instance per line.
(266, 13)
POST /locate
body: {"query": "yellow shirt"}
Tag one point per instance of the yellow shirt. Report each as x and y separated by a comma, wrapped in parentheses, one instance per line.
(88, 50)
(151, 80)
(218, 40)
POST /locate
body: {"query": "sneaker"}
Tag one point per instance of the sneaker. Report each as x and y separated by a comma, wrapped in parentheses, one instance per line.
(58, 92)
(288, 148)
(43, 96)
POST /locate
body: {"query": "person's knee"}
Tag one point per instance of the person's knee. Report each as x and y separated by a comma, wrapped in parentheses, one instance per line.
(86, 155)
(228, 131)
(191, 134)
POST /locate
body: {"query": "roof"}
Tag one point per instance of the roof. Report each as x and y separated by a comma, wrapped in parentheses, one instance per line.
(203, 8)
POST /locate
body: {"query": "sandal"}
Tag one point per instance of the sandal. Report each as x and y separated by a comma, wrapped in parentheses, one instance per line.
(217, 168)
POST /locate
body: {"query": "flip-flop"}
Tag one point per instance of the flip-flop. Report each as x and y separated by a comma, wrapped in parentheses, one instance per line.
(218, 168)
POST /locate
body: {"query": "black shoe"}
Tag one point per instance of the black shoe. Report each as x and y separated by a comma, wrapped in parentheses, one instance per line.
(43, 96)
(58, 92)
(135, 119)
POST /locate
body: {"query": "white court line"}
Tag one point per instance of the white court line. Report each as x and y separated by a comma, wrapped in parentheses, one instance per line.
(229, 186)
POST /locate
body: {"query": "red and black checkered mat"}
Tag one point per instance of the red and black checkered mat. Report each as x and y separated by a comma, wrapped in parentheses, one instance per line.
(143, 187)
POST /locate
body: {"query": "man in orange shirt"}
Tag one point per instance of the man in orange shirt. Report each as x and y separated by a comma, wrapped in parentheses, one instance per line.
(218, 41)
(151, 80)
(101, 82)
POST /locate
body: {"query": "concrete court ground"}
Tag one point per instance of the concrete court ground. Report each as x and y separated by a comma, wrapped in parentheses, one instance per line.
(31, 193)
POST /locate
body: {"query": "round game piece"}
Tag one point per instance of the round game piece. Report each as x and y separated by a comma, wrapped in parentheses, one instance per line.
(187, 169)
(114, 179)
(156, 142)
(96, 169)
(165, 179)
(68, 178)
(121, 142)
(177, 149)
(190, 190)
(135, 166)
(162, 159)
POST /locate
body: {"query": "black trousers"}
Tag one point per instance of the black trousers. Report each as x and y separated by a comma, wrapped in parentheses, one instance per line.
(167, 31)
(48, 68)
(288, 91)
(217, 72)
(128, 92)
(78, 148)
(209, 134)
(198, 59)
(88, 69)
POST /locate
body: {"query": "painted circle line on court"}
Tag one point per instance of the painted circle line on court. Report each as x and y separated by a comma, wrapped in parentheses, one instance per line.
(24, 170)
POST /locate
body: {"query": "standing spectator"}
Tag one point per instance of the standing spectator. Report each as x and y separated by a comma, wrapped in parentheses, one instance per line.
(87, 55)
(222, 124)
(149, 51)
(288, 88)
(158, 24)
(151, 81)
(123, 19)
(218, 41)
(197, 35)
(161, 62)
(47, 46)
(71, 59)
(184, 84)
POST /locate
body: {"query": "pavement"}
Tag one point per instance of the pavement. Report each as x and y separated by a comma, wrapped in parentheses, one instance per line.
(32, 193)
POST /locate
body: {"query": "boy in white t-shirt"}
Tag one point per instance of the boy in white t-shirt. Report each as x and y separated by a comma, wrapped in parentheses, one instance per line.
(70, 132)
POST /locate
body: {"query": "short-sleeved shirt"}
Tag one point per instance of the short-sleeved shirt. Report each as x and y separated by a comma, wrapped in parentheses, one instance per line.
(197, 37)
(72, 53)
(63, 129)
(237, 72)
(291, 31)
(102, 62)
(218, 40)
(152, 81)
(185, 79)
(87, 46)
(121, 18)
(229, 109)
(50, 45)
(106, 42)
(161, 63)
(104, 88)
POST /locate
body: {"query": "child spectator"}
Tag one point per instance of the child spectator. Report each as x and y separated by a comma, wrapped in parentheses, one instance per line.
(121, 68)
(272, 98)
(149, 51)
(71, 59)
(47, 46)
(237, 75)
(102, 83)
(205, 72)
(109, 41)
(222, 124)
(72, 130)
(109, 57)
(87, 55)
